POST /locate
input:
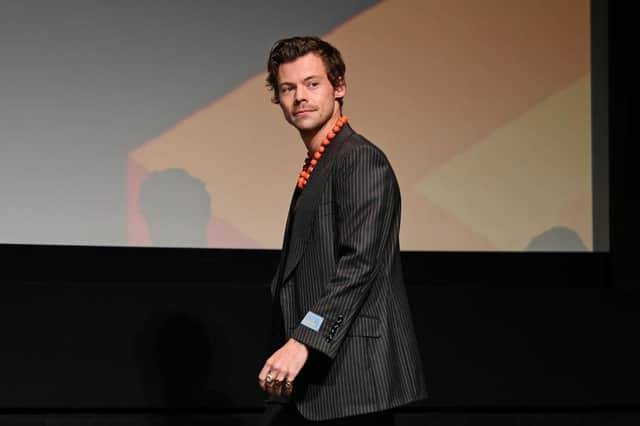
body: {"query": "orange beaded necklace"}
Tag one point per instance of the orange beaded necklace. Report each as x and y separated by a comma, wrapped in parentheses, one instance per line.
(311, 160)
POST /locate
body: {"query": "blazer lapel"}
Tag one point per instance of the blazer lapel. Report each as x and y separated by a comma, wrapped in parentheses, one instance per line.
(308, 202)
(285, 241)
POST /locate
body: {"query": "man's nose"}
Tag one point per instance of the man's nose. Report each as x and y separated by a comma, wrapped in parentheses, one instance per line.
(301, 94)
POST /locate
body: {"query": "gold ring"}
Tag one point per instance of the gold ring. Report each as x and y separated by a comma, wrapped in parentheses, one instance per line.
(288, 388)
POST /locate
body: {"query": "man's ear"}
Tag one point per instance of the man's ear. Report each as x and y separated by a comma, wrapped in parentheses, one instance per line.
(340, 89)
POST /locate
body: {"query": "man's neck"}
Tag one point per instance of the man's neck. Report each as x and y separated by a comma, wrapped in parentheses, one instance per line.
(313, 138)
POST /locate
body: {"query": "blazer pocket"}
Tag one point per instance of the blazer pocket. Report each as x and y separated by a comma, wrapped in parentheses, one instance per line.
(365, 327)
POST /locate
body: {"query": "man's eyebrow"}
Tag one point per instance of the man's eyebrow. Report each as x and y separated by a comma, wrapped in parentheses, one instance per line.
(285, 83)
(311, 77)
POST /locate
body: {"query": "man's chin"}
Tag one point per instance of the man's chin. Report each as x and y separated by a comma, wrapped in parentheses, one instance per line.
(305, 125)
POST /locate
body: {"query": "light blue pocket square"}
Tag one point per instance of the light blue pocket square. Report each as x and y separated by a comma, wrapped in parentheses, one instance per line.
(312, 320)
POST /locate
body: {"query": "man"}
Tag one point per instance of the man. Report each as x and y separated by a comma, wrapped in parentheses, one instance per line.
(344, 346)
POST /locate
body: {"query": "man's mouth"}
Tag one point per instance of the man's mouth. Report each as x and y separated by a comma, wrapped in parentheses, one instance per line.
(302, 111)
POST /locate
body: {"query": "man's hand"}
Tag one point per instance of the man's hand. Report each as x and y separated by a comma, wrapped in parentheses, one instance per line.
(284, 365)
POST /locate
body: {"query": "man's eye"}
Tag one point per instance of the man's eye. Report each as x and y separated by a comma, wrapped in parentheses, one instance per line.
(286, 89)
(314, 84)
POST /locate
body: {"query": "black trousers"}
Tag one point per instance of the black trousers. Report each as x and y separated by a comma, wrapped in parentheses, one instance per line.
(287, 415)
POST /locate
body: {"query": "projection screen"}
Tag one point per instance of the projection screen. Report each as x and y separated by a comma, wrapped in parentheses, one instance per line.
(149, 124)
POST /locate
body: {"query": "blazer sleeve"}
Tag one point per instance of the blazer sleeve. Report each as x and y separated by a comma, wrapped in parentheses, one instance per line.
(367, 205)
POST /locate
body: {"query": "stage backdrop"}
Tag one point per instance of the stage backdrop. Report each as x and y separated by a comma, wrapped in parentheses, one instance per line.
(139, 123)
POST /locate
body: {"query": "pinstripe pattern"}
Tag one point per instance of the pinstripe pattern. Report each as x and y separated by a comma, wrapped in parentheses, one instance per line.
(343, 263)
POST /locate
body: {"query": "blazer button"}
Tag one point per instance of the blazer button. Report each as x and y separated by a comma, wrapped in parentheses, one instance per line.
(339, 320)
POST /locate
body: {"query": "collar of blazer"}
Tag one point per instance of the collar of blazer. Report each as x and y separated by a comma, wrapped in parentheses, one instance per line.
(298, 233)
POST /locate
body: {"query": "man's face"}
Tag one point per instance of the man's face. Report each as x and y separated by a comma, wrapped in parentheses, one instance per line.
(307, 98)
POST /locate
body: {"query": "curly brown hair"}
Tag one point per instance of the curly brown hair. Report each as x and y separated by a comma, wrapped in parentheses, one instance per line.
(290, 49)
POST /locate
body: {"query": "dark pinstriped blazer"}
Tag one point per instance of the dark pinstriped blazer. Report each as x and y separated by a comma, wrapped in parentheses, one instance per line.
(341, 288)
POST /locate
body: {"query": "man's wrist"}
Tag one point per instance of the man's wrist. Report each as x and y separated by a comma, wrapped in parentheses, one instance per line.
(301, 344)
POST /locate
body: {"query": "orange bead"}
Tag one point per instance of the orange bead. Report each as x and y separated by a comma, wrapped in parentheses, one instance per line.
(312, 159)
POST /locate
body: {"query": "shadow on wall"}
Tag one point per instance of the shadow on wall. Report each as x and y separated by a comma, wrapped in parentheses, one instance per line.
(176, 361)
(177, 208)
(557, 238)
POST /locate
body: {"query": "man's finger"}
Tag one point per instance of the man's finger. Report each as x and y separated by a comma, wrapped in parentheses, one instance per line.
(265, 370)
(278, 382)
(265, 375)
(272, 383)
(287, 388)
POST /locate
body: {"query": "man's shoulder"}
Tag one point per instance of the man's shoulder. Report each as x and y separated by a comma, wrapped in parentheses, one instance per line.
(358, 144)
(356, 140)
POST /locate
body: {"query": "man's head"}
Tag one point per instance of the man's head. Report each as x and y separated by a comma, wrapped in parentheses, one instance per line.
(306, 75)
